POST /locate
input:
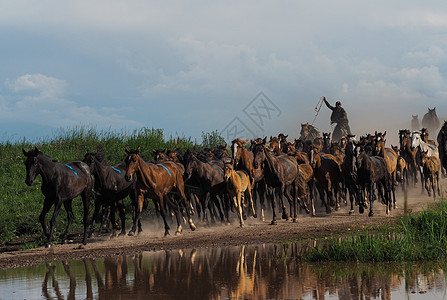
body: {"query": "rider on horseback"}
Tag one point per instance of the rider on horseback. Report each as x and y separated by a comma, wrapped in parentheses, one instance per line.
(340, 117)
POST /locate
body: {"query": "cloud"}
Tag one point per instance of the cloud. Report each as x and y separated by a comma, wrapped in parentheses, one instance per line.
(40, 99)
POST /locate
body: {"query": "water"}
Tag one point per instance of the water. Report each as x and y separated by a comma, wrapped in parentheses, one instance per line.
(243, 272)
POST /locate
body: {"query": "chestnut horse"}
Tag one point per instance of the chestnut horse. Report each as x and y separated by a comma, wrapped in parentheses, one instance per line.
(238, 185)
(390, 157)
(61, 183)
(155, 181)
(430, 165)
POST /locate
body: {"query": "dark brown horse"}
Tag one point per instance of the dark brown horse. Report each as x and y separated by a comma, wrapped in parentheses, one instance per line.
(328, 179)
(280, 173)
(431, 121)
(154, 181)
(210, 177)
(308, 132)
(61, 183)
(372, 171)
(442, 146)
(350, 177)
(111, 187)
(408, 154)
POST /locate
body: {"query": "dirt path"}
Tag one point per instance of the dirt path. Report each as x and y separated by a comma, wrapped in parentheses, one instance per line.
(255, 232)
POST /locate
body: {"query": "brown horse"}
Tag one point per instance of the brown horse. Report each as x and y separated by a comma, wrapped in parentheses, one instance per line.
(424, 136)
(238, 185)
(408, 154)
(155, 181)
(430, 165)
(308, 132)
(328, 177)
(243, 160)
(431, 121)
(402, 168)
(61, 183)
(305, 186)
(390, 158)
(280, 173)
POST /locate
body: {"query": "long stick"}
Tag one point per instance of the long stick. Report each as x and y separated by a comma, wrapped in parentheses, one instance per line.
(317, 108)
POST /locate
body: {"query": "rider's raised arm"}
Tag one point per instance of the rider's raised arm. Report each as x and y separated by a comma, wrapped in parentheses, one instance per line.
(327, 104)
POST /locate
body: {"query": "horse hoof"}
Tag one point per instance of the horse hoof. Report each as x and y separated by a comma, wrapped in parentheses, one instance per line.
(48, 246)
(255, 216)
(285, 216)
(371, 214)
(193, 227)
(242, 225)
(294, 220)
(273, 222)
(131, 233)
(351, 212)
(122, 233)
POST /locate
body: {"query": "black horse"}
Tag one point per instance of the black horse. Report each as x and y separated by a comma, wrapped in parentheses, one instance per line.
(350, 177)
(111, 187)
(61, 182)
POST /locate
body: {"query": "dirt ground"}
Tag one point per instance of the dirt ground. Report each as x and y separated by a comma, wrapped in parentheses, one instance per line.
(254, 232)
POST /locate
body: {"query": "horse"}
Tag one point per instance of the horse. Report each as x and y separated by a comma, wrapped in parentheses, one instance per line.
(418, 143)
(442, 150)
(305, 186)
(326, 142)
(430, 120)
(415, 123)
(280, 173)
(327, 173)
(401, 168)
(61, 182)
(390, 158)
(372, 170)
(238, 185)
(275, 145)
(243, 160)
(350, 176)
(408, 154)
(210, 177)
(430, 165)
(155, 181)
(308, 132)
(424, 136)
(111, 188)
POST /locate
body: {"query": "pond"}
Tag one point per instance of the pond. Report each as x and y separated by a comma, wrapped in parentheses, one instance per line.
(268, 271)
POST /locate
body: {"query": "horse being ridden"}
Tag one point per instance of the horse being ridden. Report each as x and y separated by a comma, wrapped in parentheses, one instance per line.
(155, 181)
(111, 187)
(61, 182)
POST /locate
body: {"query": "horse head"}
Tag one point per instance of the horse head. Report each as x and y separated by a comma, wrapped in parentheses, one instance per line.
(259, 152)
(133, 156)
(415, 139)
(32, 165)
(228, 169)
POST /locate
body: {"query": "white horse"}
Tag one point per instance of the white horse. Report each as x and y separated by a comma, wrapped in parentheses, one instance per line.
(416, 141)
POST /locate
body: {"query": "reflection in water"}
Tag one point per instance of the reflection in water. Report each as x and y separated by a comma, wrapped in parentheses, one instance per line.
(244, 272)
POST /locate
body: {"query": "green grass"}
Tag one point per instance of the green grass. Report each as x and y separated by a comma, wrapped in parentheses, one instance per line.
(417, 237)
(20, 205)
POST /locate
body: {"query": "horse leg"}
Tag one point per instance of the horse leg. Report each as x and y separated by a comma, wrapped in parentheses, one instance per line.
(137, 207)
(273, 202)
(238, 205)
(351, 198)
(85, 195)
(70, 218)
(280, 193)
(249, 196)
(98, 204)
(46, 207)
(371, 199)
(292, 203)
(262, 191)
(122, 213)
(393, 188)
(57, 209)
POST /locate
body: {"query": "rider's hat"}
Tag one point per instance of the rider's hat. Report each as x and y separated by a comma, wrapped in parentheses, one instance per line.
(337, 103)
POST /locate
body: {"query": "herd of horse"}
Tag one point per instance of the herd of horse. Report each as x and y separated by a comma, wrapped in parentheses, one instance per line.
(241, 178)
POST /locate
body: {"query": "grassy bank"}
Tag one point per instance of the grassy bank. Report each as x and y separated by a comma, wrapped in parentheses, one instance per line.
(421, 236)
(20, 205)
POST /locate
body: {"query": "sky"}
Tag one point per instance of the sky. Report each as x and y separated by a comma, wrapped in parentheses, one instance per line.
(242, 68)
